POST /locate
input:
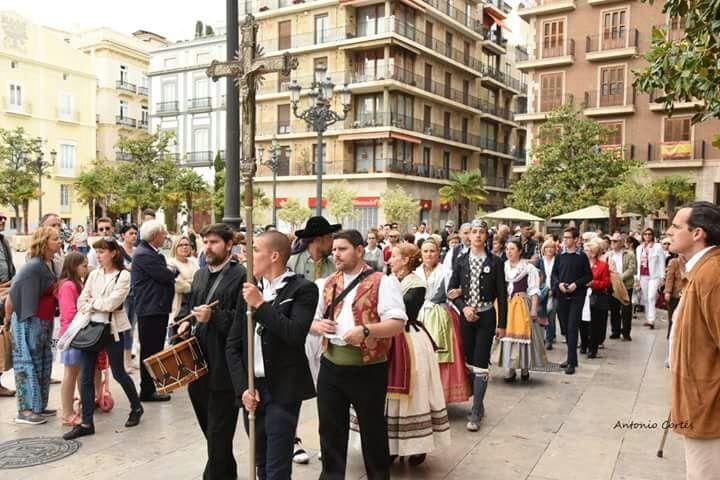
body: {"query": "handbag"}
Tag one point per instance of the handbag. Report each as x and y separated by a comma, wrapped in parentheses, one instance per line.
(94, 336)
(6, 356)
(620, 293)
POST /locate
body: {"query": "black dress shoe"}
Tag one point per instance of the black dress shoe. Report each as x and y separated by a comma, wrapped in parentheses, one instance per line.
(583, 349)
(548, 346)
(615, 336)
(570, 370)
(525, 376)
(155, 397)
(592, 355)
(564, 365)
(627, 338)
(415, 460)
(79, 431)
(134, 417)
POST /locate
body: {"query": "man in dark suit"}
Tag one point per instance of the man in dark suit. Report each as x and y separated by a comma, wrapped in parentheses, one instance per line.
(212, 396)
(154, 285)
(284, 306)
(480, 278)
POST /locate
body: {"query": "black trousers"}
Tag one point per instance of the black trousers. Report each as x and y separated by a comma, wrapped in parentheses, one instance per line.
(598, 328)
(621, 316)
(364, 388)
(478, 338)
(152, 330)
(570, 312)
(217, 414)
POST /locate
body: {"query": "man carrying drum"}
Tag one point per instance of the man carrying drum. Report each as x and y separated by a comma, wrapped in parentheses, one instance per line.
(212, 395)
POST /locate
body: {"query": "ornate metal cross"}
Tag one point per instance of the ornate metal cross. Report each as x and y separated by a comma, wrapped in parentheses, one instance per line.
(248, 69)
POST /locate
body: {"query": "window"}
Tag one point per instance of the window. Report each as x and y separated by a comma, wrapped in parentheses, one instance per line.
(446, 163)
(464, 130)
(283, 82)
(448, 44)
(369, 65)
(323, 160)
(67, 159)
(614, 29)
(169, 92)
(446, 124)
(428, 34)
(367, 155)
(202, 58)
(64, 197)
(65, 106)
(464, 163)
(551, 86)
(717, 194)
(284, 35)
(368, 20)
(368, 111)
(402, 110)
(15, 95)
(322, 28)
(320, 66)
(170, 62)
(426, 158)
(448, 84)
(612, 86)
(615, 137)
(402, 152)
(200, 140)
(427, 120)
(13, 64)
(553, 38)
(123, 73)
(677, 129)
(284, 162)
(466, 53)
(201, 87)
(144, 115)
(283, 118)
(123, 109)
(428, 77)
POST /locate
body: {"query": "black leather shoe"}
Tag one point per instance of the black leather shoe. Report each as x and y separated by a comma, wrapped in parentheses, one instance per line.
(564, 365)
(583, 349)
(627, 338)
(548, 346)
(592, 355)
(615, 336)
(155, 397)
(525, 376)
(134, 417)
(415, 460)
(79, 431)
(570, 370)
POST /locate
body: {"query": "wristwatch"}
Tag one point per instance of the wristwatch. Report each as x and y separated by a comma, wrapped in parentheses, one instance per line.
(366, 331)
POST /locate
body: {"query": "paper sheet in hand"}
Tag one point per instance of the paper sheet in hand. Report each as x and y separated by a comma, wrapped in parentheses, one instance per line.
(335, 339)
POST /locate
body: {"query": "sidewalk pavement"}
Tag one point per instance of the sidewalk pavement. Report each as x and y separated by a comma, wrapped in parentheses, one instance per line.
(556, 427)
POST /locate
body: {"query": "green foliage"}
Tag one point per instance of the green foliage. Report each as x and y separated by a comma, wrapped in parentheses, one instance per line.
(571, 171)
(340, 202)
(672, 191)
(465, 189)
(97, 185)
(398, 206)
(686, 68)
(188, 184)
(18, 171)
(293, 213)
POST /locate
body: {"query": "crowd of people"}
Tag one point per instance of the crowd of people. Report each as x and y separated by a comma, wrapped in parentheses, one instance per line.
(385, 329)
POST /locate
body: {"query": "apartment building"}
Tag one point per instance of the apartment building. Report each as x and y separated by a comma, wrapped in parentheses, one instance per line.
(185, 101)
(48, 87)
(120, 63)
(584, 52)
(433, 92)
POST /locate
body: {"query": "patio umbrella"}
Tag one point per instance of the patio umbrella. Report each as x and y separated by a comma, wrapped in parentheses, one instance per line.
(510, 213)
(594, 212)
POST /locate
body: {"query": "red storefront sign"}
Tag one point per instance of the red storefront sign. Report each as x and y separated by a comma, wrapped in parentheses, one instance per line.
(426, 204)
(280, 201)
(445, 207)
(366, 202)
(312, 202)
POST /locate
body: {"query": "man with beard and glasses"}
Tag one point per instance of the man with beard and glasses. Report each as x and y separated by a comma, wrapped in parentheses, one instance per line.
(212, 395)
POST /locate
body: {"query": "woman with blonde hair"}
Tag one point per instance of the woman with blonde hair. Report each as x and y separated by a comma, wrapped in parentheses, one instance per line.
(32, 303)
(181, 257)
(443, 323)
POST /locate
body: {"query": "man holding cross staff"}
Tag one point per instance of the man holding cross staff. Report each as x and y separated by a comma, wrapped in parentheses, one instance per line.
(247, 70)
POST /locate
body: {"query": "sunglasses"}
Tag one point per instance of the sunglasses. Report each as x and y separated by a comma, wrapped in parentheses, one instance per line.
(2, 219)
(104, 229)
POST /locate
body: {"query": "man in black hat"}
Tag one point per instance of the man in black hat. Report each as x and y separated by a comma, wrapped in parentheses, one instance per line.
(313, 260)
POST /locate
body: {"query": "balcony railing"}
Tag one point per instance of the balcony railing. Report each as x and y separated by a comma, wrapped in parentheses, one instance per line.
(521, 54)
(501, 5)
(676, 151)
(494, 35)
(126, 121)
(548, 103)
(558, 49)
(124, 85)
(166, 108)
(456, 14)
(144, 91)
(200, 103)
(123, 157)
(498, 182)
(620, 152)
(406, 167)
(610, 97)
(502, 77)
(143, 124)
(612, 40)
(198, 159)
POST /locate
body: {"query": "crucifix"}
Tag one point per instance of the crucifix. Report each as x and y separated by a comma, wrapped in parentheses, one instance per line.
(247, 69)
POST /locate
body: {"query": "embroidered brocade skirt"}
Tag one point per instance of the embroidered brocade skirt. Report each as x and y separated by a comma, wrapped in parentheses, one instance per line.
(516, 350)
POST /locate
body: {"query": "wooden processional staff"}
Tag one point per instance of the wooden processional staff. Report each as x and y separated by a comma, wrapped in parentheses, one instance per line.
(248, 69)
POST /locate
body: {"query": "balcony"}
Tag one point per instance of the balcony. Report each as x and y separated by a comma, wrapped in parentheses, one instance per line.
(603, 2)
(494, 40)
(611, 45)
(126, 86)
(611, 101)
(24, 108)
(404, 167)
(544, 7)
(201, 104)
(499, 78)
(558, 55)
(123, 157)
(198, 159)
(657, 103)
(144, 91)
(682, 154)
(143, 124)
(542, 105)
(446, 7)
(497, 182)
(500, 7)
(67, 116)
(167, 108)
(126, 121)
(620, 152)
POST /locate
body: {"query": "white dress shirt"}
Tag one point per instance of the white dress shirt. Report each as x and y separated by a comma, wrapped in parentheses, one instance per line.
(548, 270)
(618, 259)
(269, 292)
(692, 261)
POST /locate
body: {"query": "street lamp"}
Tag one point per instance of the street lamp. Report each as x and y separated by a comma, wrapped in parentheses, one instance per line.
(40, 165)
(319, 116)
(273, 163)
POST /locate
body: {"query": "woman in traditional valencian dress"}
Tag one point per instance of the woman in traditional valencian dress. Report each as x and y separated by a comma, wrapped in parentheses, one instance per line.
(522, 347)
(443, 323)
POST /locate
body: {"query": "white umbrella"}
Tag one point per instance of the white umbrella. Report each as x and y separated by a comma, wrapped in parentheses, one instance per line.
(510, 213)
(594, 212)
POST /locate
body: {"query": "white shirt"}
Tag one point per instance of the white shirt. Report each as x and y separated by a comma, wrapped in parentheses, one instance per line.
(269, 292)
(548, 270)
(421, 236)
(692, 261)
(390, 306)
(618, 259)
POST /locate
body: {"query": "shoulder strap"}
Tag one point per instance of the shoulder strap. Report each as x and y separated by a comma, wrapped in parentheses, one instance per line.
(330, 311)
(216, 283)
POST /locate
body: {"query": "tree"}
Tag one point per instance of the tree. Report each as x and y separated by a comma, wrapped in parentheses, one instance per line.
(97, 186)
(632, 195)
(672, 191)
(398, 206)
(261, 202)
(340, 202)
(573, 169)
(465, 189)
(687, 68)
(293, 213)
(219, 188)
(190, 184)
(18, 176)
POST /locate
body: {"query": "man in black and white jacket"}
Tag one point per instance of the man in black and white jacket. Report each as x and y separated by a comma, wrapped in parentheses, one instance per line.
(284, 306)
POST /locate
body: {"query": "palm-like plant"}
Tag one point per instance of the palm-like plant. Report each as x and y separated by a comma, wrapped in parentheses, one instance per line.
(465, 189)
(189, 184)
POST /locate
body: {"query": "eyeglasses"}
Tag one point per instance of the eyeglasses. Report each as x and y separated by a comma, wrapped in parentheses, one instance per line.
(104, 229)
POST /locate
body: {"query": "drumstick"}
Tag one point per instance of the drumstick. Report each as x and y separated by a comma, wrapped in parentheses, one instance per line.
(188, 317)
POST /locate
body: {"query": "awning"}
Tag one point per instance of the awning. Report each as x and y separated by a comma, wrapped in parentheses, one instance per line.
(364, 136)
(594, 212)
(499, 20)
(510, 213)
(406, 138)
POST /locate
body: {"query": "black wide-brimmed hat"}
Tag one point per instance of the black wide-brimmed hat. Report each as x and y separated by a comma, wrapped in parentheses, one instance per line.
(317, 227)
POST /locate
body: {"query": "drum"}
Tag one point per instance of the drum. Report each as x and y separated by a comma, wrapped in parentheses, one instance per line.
(176, 366)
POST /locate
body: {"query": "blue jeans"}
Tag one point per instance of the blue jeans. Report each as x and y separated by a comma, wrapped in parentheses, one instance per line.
(32, 359)
(550, 329)
(87, 378)
(275, 425)
(130, 311)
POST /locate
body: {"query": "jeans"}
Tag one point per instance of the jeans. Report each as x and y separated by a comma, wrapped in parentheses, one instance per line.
(32, 360)
(87, 378)
(130, 311)
(569, 310)
(275, 425)
(550, 330)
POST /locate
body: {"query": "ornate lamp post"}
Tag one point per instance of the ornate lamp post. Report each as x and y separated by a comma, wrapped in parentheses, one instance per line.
(273, 163)
(319, 116)
(41, 166)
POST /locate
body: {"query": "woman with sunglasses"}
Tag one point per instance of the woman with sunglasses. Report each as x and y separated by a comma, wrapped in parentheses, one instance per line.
(181, 257)
(649, 274)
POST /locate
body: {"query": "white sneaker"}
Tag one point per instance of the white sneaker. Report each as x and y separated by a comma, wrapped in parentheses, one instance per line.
(472, 426)
(300, 456)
